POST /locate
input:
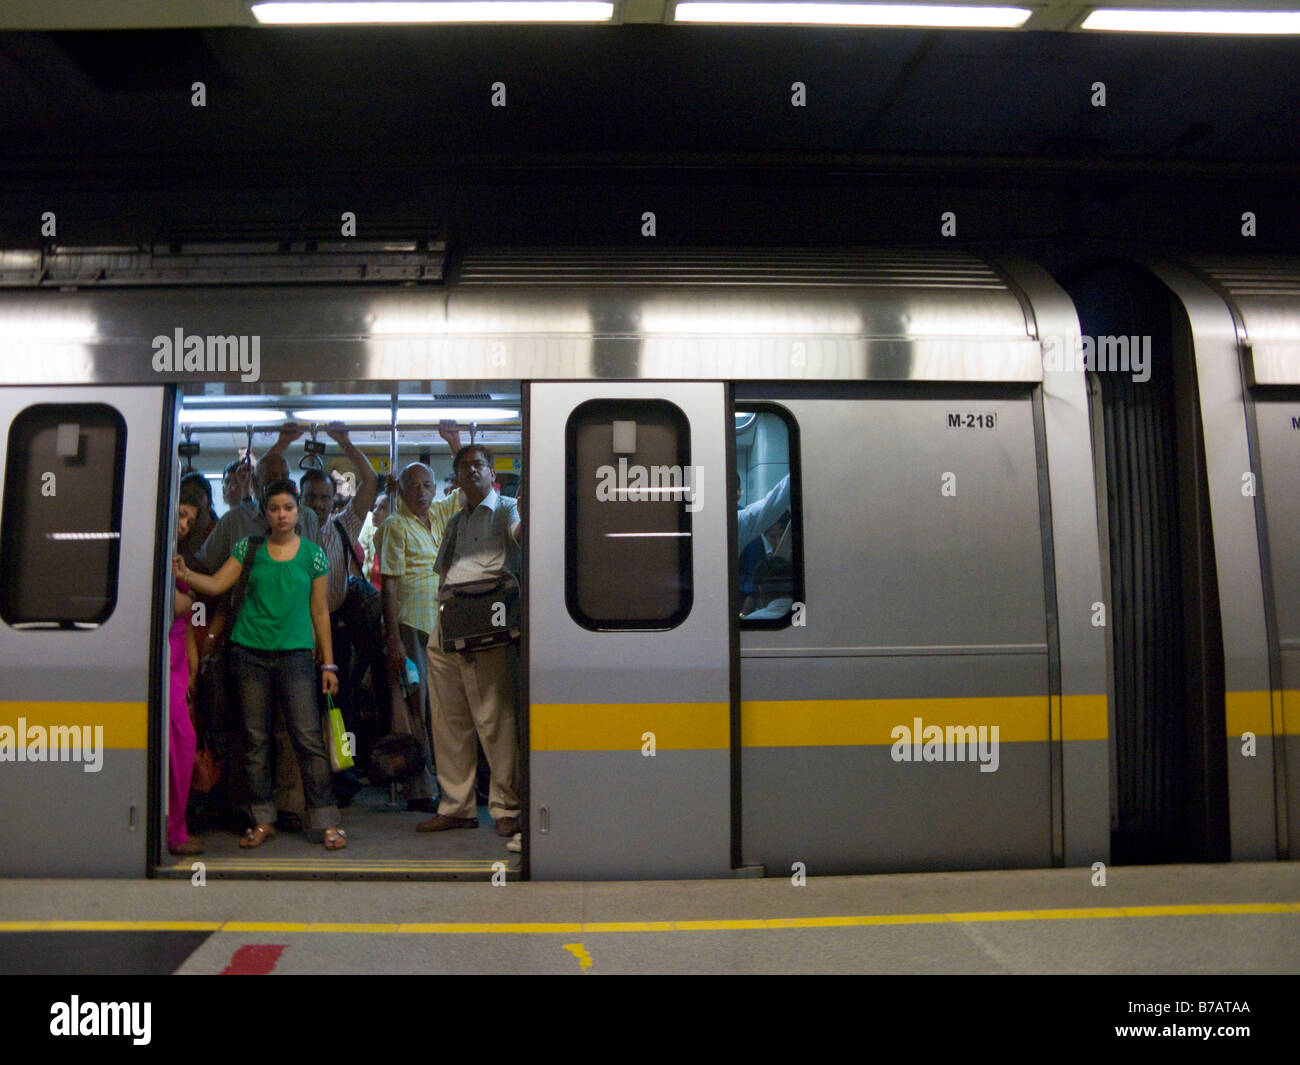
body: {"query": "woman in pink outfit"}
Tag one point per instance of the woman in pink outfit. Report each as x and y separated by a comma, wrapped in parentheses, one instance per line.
(184, 668)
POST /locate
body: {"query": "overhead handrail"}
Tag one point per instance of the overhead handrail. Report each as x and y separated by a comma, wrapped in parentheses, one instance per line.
(313, 458)
(188, 450)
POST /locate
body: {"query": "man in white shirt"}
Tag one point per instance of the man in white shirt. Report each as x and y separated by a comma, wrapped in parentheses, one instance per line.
(475, 691)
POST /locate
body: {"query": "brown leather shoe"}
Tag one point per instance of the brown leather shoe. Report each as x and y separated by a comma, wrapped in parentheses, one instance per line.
(507, 826)
(441, 823)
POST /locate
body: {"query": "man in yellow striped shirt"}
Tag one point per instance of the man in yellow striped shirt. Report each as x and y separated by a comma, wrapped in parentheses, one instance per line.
(407, 550)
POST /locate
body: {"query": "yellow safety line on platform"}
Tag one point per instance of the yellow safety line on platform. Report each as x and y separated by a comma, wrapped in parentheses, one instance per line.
(1216, 909)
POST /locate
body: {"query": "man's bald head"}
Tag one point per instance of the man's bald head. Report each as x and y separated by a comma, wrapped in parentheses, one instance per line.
(409, 471)
(415, 483)
(269, 469)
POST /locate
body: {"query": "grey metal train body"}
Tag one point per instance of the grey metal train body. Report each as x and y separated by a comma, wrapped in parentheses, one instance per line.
(940, 695)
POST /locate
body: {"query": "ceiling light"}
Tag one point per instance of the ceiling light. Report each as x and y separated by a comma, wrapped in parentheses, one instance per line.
(818, 14)
(459, 414)
(346, 415)
(1238, 22)
(51, 328)
(231, 416)
(383, 415)
(390, 11)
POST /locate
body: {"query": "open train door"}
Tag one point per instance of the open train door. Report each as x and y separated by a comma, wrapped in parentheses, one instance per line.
(630, 633)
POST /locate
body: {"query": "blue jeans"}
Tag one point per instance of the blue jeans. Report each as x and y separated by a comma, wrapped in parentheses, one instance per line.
(263, 679)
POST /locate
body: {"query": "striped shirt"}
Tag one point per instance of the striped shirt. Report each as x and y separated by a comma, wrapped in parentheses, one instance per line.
(337, 553)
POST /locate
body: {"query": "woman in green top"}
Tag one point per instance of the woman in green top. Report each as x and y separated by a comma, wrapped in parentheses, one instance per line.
(283, 616)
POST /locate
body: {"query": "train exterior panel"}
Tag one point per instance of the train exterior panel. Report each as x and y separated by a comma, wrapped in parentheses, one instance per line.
(953, 570)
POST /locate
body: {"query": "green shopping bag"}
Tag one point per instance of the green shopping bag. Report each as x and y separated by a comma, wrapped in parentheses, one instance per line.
(337, 737)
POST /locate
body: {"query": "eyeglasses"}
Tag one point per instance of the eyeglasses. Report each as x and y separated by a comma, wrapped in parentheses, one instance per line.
(474, 464)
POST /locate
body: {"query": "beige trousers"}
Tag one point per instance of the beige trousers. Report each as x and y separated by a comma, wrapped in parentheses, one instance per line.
(474, 693)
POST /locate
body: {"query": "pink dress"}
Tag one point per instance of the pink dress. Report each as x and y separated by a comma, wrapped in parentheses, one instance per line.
(182, 731)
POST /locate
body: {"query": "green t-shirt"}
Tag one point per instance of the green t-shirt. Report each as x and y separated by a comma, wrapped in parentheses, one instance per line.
(276, 615)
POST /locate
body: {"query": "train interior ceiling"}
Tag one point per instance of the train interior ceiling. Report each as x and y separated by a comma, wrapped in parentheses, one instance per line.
(393, 426)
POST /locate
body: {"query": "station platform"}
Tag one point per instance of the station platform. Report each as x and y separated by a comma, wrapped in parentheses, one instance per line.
(1242, 918)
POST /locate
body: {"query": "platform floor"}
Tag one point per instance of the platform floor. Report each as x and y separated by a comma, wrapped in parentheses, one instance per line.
(1242, 918)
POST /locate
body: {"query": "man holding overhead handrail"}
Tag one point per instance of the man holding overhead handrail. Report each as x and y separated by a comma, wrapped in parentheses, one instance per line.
(474, 692)
(409, 545)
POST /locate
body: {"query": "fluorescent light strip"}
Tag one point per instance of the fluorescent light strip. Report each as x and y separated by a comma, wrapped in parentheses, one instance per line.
(314, 13)
(1134, 20)
(383, 415)
(85, 536)
(621, 536)
(50, 329)
(815, 14)
(231, 416)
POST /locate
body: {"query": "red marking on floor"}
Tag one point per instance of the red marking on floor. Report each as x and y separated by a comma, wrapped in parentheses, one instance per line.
(256, 959)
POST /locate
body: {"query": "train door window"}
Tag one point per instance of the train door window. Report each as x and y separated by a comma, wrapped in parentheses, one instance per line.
(630, 492)
(61, 527)
(768, 523)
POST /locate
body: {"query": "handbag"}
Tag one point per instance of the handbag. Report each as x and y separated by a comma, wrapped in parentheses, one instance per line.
(479, 614)
(207, 771)
(336, 737)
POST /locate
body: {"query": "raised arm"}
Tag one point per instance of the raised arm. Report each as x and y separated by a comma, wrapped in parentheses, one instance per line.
(368, 484)
(289, 432)
(448, 431)
(756, 517)
(218, 584)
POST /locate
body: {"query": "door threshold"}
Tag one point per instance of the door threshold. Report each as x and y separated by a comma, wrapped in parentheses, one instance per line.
(341, 868)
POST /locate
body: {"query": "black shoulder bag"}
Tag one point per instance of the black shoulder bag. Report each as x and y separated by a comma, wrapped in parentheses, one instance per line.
(477, 615)
(363, 608)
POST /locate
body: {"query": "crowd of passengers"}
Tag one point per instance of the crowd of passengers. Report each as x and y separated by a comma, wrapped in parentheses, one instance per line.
(284, 576)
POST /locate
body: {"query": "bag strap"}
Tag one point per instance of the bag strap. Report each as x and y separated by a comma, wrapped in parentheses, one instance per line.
(241, 587)
(450, 535)
(352, 550)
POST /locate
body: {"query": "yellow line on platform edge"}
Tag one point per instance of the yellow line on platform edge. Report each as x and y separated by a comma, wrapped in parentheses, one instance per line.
(594, 927)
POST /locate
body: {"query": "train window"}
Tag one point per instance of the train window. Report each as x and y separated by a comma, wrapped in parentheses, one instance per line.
(768, 521)
(61, 527)
(628, 488)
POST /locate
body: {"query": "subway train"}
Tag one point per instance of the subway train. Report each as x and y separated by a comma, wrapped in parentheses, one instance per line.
(837, 561)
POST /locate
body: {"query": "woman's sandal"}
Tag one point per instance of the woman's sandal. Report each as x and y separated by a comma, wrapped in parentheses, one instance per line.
(255, 837)
(335, 839)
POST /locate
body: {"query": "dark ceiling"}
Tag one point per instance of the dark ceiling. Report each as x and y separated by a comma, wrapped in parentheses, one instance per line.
(398, 125)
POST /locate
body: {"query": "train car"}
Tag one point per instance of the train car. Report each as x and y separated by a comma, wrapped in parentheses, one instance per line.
(820, 568)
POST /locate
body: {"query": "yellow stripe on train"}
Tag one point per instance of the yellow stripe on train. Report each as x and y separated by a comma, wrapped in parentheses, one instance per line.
(873, 722)
(118, 726)
(803, 723)
(623, 726)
